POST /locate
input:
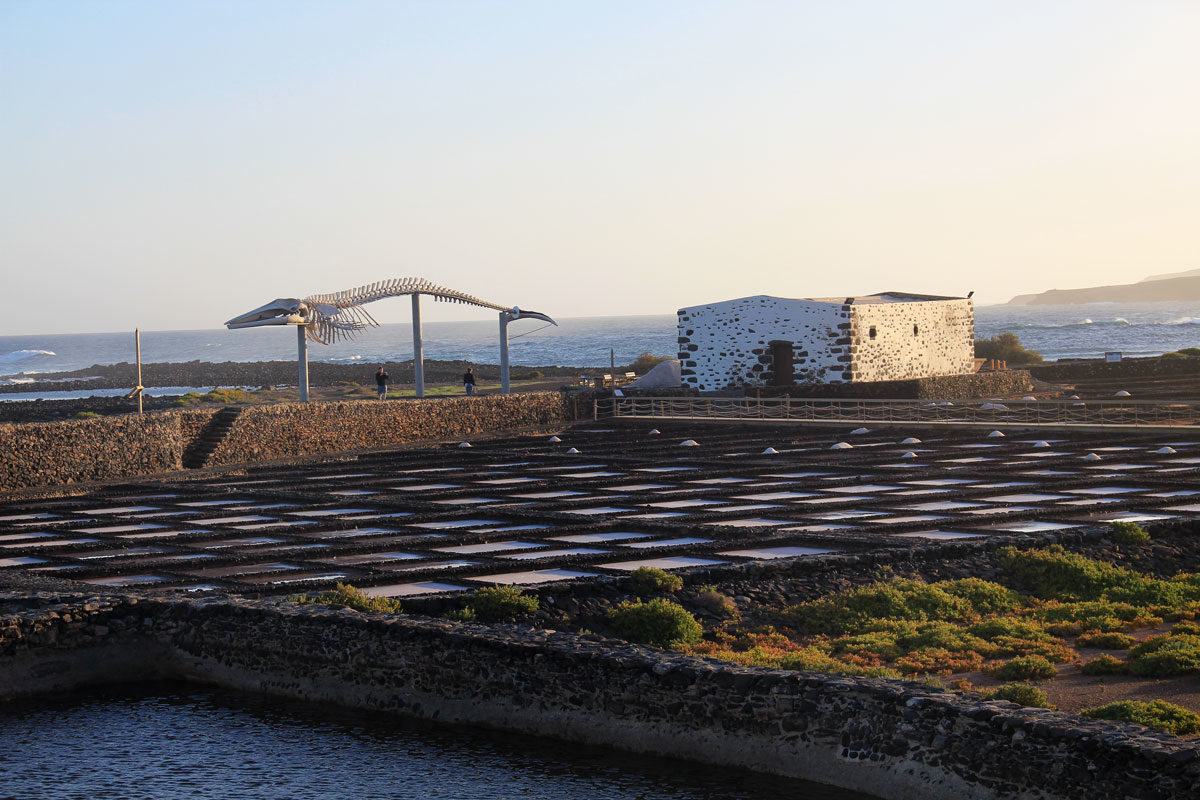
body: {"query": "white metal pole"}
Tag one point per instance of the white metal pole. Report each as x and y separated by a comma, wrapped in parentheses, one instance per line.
(137, 342)
(504, 352)
(418, 356)
(302, 362)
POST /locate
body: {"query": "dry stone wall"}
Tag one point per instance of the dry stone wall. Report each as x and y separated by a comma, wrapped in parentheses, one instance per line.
(889, 738)
(52, 453)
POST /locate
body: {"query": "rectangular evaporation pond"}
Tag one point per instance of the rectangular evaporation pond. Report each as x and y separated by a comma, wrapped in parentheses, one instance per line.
(940, 482)
(467, 501)
(1092, 501)
(1193, 508)
(682, 541)
(258, 507)
(1030, 497)
(938, 535)
(389, 515)
(20, 537)
(834, 499)
(331, 512)
(339, 476)
(426, 565)
(744, 509)
(918, 492)
(666, 562)
(206, 503)
(353, 492)
(998, 510)
(348, 533)
(594, 538)
(125, 580)
(293, 578)
(132, 551)
(507, 481)
(635, 487)
(565, 552)
(370, 558)
(26, 517)
(943, 505)
(1135, 516)
(1050, 473)
(775, 496)
(145, 526)
(1176, 493)
(116, 510)
(444, 524)
(863, 488)
(1034, 526)
(656, 515)
(531, 527)
(1103, 490)
(427, 487)
(750, 522)
(827, 526)
(509, 464)
(597, 510)
(1004, 485)
(975, 460)
(243, 569)
(248, 541)
(906, 520)
(230, 520)
(598, 474)
(849, 513)
(549, 495)
(488, 547)
(533, 576)
(683, 503)
(666, 469)
(790, 551)
(797, 474)
(412, 589)
(719, 481)
(20, 561)
(263, 526)
(1121, 466)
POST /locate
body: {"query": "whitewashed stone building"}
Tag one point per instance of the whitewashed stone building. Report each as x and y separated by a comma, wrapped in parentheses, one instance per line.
(776, 341)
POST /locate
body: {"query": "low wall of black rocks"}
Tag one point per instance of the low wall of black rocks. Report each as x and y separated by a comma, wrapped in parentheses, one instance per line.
(1129, 367)
(944, 387)
(885, 737)
(52, 453)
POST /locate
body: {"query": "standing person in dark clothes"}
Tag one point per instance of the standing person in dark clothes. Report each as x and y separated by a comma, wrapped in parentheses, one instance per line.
(469, 381)
(381, 382)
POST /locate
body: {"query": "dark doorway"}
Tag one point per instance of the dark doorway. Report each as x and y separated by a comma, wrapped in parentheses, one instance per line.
(782, 363)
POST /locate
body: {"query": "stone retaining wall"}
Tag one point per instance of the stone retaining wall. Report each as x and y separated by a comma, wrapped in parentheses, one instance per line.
(1129, 367)
(885, 737)
(52, 453)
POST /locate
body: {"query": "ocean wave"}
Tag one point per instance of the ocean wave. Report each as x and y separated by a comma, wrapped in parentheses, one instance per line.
(17, 356)
(346, 358)
(18, 380)
(1182, 321)
(1087, 322)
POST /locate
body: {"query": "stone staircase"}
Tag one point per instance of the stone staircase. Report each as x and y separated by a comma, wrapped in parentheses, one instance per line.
(211, 437)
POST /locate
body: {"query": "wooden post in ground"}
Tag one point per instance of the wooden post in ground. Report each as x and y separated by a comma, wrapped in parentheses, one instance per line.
(137, 343)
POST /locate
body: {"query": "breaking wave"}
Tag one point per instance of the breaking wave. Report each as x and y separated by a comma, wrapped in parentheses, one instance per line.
(18, 356)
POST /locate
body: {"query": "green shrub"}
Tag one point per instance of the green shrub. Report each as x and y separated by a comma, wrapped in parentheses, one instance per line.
(346, 596)
(863, 608)
(501, 604)
(1006, 347)
(87, 415)
(1021, 693)
(1105, 641)
(659, 622)
(1173, 355)
(1104, 665)
(1053, 573)
(652, 580)
(1022, 668)
(985, 597)
(646, 362)
(1154, 714)
(1164, 656)
(717, 603)
(1128, 533)
(1185, 627)
(1189, 351)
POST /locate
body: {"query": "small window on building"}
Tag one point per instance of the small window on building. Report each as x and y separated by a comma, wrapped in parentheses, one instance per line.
(872, 332)
(915, 330)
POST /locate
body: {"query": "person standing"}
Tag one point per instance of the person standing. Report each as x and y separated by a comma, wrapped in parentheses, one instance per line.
(469, 381)
(381, 382)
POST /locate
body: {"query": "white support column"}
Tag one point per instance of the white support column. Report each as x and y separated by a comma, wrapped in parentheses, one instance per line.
(503, 352)
(418, 356)
(302, 362)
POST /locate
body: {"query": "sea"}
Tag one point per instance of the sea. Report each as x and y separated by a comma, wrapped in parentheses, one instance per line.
(1068, 331)
(174, 741)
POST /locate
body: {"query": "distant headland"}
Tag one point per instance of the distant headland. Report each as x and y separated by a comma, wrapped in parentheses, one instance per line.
(1178, 286)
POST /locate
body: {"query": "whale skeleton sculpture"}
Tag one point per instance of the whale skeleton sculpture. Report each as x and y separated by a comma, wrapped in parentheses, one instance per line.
(328, 318)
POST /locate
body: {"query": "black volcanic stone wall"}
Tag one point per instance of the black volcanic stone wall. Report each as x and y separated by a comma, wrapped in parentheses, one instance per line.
(945, 387)
(891, 738)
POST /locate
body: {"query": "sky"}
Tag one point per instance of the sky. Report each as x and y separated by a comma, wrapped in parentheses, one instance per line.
(172, 165)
